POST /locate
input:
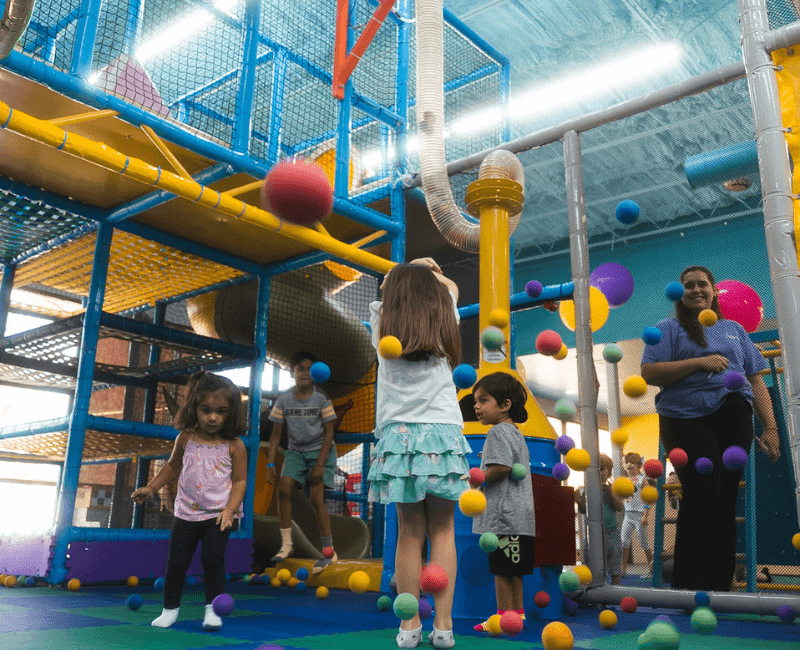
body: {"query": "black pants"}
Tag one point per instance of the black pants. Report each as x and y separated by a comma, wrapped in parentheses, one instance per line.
(705, 542)
(183, 540)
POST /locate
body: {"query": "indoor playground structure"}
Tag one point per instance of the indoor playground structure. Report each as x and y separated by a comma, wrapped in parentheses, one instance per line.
(218, 184)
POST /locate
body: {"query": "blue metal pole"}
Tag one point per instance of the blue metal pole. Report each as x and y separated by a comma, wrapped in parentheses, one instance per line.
(85, 35)
(83, 393)
(6, 284)
(398, 197)
(151, 393)
(133, 27)
(276, 105)
(341, 182)
(512, 335)
(461, 27)
(247, 81)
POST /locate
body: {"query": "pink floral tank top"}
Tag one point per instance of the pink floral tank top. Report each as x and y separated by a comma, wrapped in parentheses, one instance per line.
(204, 486)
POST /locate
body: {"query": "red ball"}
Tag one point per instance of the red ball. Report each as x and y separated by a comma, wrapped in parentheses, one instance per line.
(327, 552)
(548, 342)
(541, 599)
(511, 623)
(297, 190)
(653, 468)
(476, 477)
(433, 579)
(678, 457)
(628, 605)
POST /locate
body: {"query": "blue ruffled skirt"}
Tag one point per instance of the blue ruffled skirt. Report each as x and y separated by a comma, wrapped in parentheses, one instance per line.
(412, 460)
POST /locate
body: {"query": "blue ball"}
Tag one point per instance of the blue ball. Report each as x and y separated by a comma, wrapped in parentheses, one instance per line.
(651, 335)
(227, 577)
(158, 585)
(191, 581)
(570, 606)
(534, 288)
(30, 581)
(464, 376)
(134, 601)
(320, 372)
(674, 291)
(704, 465)
(302, 573)
(627, 211)
(702, 599)
(301, 586)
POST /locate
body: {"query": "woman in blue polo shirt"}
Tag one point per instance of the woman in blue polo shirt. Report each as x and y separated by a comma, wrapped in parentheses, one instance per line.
(698, 414)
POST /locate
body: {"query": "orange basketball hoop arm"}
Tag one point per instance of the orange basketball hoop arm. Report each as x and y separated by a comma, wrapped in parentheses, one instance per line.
(343, 63)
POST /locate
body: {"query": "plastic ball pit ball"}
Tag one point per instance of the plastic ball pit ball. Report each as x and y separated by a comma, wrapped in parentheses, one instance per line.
(564, 444)
(297, 190)
(301, 573)
(499, 318)
(492, 338)
(707, 318)
(405, 606)
(570, 606)
(649, 494)
(518, 472)
(619, 437)
(541, 599)
(488, 542)
(612, 353)
(493, 625)
(11, 582)
(608, 619)
(464, 376)
(283, 575)
(704, 621)
(627, 212)
(132, 581)
(796, 541)
(534, 288)
(598, 310)
(256, 578)
(291, 582)
(704, 466)
(245, 580)
(134, 602)
(328, 552)
(733, 380)
(615, 281)
(320, 372)
(158, 585)
(557, 636)
(740, 303)
(472, 502)
(384, 603)
(548, 342)
(734, 458)
(569, 581)
(191, 581)
(322, 593)
(425, 609)
(511, 623)
(222, 605)
(72, 585)
(584, 573)
(565, 409)
(389, 347)
(678, 457)
(628, 605)
(433, 579)
(358, 582)
(560, 472)
(674, 291)
(30, 581)
(578, 459)
(786, 614)
(623, 487)
(476, 477)
(634, 386)
(562, 353)
(702, 599)
(651, 335)
(659, 636)
(301, 586)
(274, 582)
(653, 468)
(664, 619)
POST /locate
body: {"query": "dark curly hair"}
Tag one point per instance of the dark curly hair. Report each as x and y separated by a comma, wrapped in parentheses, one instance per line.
(502, 386)
(202, 384)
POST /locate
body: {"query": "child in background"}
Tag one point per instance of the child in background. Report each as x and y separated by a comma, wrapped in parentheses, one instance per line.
(211, 462)
(635, 511)
(420, 462)
(308, 416)
(500, 402)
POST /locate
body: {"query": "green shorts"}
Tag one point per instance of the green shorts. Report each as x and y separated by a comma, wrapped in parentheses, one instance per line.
(299, 465)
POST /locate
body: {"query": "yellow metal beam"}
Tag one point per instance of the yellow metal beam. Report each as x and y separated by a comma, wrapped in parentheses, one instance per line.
(82, 117)
(236, 191)
(100, 154)
(369, 238)
(165, 151)
(321, 228)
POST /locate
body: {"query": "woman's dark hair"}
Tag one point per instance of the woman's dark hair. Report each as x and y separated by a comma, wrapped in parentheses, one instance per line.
(202, 384)
(502, 386)
(418, 310)
(694, 330)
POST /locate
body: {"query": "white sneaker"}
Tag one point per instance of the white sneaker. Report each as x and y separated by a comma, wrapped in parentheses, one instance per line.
(167, 618)
(211, 621)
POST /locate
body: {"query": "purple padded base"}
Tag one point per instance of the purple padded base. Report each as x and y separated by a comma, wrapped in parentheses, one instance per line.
(26, 555)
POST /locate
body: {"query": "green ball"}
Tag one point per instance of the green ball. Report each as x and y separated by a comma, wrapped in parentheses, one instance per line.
(247, 579)
(492, 338)
(704, 621)
(518, 472)
(612, 353)
(565, 409)
(384, 603)
(488, 542)
(569, 581)
(405, 606)
(659, 635)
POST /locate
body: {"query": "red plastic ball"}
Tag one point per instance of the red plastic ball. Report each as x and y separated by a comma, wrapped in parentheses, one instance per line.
(327, 552)
(548, 342)
(297, 190)
(433, 579)
(653, 468)
(678, 457)
(628, 605)
(476, 477)
(541, 599)
(511, 623)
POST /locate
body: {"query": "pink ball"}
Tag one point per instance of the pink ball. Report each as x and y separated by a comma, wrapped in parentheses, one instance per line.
(433, 579)
(511, 623)
(297, 190)
(476, 477)
(739, 302)
(678, 457)
(541, 599)
(653, 468)
(548, 342)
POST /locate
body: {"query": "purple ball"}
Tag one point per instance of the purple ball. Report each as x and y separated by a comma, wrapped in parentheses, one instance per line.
(560, 472)
(534, 288)
(256, 579)
(425, 609)
(665, 619)
(704, 465)
(564, 444)
(614, 281)
(570, 606)
(786, 614)
(222, 605)
(734, 458)
(733, 380)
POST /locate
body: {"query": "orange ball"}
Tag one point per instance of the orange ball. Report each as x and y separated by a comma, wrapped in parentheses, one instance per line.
(634, 386)
(557, 636)
(74, 584)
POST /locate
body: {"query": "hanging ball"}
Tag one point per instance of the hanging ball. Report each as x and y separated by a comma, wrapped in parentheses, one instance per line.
(222, 605)
(405, 606)
(541, 599)
(628, 605)
(492, 338)
(733, 380)
(608, 619)
(612, 353)
(511, 623)
(464, 376)
(627, 212)
(320, 372)
(283, 575)
(301, 573)
(358, 582)
(564, 444)
(651, 335)
(739, 302)
(472, 502)
(132, 581)
(704, 621)
(734, 458)
(598, 310)
(578, 459)
(297, 190)
(702, 599)
(569, 581)
(384, 603)
(548, 342)
(704, 466)
(534, 288)
(433, 579)
(707, 318)
(615, 281)
(796, 541)
(623, 487)
(786, 614)
(488, 542)
(570, 606)
(328, 552)
(649, 494)
(476, 477)
(674, 291)
(557, 636)
(678, 457)
(634, 386)
(619, 437)
(584, 573)
(322, 593)
(562, 353)
(565, 409)
(425, 609)
(134, 602)
(518, 472)
(560, 471)
(499, 318)
(72, 585)
(389, 347)
(653, 468)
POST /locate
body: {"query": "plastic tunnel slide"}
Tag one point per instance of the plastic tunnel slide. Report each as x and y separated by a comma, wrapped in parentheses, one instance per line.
(351, 536)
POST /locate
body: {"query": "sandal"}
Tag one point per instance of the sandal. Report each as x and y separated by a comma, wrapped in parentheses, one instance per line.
(409, 638)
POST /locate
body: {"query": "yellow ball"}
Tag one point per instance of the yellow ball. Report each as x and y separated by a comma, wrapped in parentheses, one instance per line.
(557, 636)
(634, 386)
(623, 487)
(322, 593)
(707, 318)
(389, 347)
(608, 619)
(2, 579)
(358, 582)
(498, 318)
(562, 353)
(292, 582)
(132, 581)
(598, 307)
(73, 585)
(649, 494)
(577, 459)
(619, 437)
(493, 625)
(584, 573)
(284, 575)
(472, 502)
(274, 582)
(796, 541)
(10, 581)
